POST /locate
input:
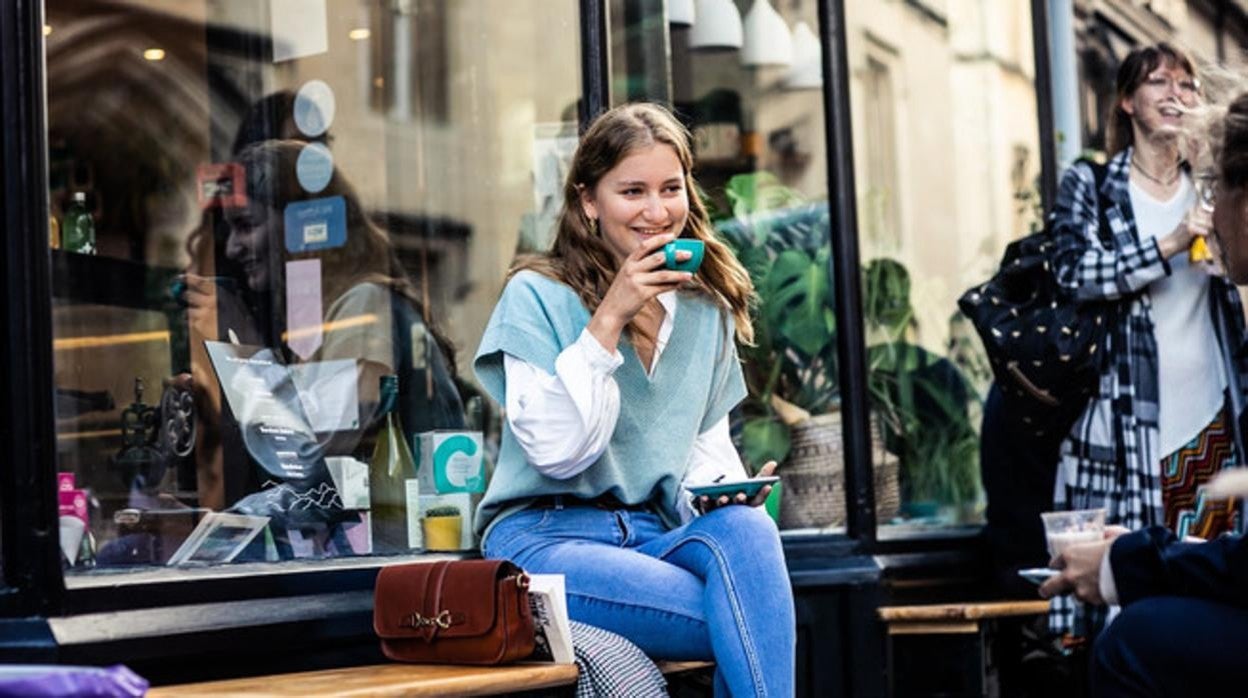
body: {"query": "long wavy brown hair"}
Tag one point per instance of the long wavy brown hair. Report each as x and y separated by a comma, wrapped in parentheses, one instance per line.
(368, 255)
(581, 258)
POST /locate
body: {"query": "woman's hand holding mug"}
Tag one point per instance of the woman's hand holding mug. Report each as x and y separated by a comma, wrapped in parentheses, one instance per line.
(641, 277)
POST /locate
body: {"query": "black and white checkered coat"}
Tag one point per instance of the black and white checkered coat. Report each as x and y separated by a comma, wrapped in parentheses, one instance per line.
(1110, 456)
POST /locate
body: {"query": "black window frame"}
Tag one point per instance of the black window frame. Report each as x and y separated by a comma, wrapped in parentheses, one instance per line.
(34, 584)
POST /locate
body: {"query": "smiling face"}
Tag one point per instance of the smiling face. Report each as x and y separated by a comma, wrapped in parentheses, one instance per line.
(252, 229)
(1157, 105)
(642, 196)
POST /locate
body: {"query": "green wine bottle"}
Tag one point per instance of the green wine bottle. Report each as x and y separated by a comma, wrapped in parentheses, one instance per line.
(392, 487)
(77, 227)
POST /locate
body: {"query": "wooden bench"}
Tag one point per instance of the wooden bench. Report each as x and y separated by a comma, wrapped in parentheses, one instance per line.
(400, 680)
(974, 657)
(955, 617)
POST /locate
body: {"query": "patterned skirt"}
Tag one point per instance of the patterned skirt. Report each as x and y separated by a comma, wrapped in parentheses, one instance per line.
(1188, 512)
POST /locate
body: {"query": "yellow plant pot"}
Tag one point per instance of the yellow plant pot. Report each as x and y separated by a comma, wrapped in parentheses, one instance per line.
(442, 532)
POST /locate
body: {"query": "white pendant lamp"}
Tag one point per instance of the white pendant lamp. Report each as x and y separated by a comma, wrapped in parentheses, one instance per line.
(767, 37)
(718, 26)
(807, 70)
(680, 13)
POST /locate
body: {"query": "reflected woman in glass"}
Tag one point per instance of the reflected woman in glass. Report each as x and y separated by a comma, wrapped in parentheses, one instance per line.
(331, 292)
(617, 375)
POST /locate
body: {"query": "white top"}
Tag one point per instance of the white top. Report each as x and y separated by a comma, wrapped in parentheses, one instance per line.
(565, 421)
(1187, 346)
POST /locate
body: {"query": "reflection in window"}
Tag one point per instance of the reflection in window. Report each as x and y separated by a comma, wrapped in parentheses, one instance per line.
(880, 198)
(299, 222)
(944, 119)
(753, 101)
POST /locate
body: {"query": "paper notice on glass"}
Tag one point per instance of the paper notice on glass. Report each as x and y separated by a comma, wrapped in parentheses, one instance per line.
(553, 146)
(304, 331)
(328, 391)
(350, 479)
(218, 538)
(299, 28)
(549, 603)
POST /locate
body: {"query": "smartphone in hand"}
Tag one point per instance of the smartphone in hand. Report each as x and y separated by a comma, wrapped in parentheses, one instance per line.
(750, 487)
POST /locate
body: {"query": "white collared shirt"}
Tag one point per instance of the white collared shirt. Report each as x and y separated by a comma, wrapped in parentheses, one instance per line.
(565, 421)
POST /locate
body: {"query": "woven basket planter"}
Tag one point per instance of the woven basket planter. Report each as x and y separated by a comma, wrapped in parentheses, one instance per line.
(814, 475)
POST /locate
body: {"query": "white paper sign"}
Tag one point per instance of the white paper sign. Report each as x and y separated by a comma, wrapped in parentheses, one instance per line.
(328, 393)
(299, 28)
(303, 307)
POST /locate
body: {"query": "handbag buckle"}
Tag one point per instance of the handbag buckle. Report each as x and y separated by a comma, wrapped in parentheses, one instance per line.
(416, 621)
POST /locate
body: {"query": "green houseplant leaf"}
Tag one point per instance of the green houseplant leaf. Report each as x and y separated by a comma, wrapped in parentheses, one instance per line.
(765, 439)
(795, 301)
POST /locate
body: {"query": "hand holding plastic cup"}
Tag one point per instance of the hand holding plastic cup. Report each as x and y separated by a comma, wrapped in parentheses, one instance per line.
(696, 248)
(1063, 529)
(1200, 219)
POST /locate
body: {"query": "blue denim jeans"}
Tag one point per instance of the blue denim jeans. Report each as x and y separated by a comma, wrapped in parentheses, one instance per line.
(715, 588)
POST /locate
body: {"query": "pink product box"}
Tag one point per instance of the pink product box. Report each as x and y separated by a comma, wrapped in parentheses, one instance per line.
(73, 503)
(64, 482)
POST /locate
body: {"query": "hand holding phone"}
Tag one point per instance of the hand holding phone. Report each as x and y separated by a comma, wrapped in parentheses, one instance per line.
(749, 491)
(750, 487)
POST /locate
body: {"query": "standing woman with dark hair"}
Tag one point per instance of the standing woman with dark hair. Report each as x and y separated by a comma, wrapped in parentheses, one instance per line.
(1184, 620)
(617, 376)
(1158, 426)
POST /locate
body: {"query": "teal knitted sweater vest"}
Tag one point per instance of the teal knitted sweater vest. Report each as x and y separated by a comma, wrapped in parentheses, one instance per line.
(696, 382)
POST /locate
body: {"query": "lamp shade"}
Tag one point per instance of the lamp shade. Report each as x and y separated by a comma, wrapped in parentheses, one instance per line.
(767, 37)
(807, 70)
(718, 25)
(680, 12)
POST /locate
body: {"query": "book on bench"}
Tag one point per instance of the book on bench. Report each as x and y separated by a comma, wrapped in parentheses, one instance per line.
(550, 619)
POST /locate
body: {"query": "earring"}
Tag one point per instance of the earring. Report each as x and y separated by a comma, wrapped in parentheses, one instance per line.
(593, 224)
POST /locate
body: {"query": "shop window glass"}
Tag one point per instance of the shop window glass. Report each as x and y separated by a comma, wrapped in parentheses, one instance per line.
(259, 212)
(755, 111)
(946, 171)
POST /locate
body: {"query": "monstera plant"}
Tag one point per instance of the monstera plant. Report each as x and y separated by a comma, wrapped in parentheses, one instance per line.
(783, 241)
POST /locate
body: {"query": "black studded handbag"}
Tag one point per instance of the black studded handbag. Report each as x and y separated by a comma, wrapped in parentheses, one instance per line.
(1046, 349)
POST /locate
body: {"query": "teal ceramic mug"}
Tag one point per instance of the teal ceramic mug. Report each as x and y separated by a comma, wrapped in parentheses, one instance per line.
(694, 247)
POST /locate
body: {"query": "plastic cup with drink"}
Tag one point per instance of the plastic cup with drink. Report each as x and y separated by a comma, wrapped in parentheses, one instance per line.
(1063, 529)
(1202, 215)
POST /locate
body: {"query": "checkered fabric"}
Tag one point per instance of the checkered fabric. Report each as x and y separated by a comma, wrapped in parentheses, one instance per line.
(1110, 456)
(610, 665)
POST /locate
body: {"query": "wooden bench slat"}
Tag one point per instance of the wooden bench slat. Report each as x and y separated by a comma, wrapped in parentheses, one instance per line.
(400, 680)
(668, 667)
(933, 628)
(962, 611)
(386, 680)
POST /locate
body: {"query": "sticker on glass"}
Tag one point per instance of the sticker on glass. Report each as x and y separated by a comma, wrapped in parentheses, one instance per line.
(316, 224)
(314, 168)
(314, 108)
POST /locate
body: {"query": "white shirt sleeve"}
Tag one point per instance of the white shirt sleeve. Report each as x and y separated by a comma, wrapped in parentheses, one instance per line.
(565, 421)
(713, 456)
(1108, 588)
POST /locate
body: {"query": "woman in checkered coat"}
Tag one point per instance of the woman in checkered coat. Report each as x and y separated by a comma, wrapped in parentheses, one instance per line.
(1159, 425)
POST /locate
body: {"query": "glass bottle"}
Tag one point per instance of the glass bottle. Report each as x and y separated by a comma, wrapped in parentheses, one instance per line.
(78, 228)
(54, 232)
(392, 485)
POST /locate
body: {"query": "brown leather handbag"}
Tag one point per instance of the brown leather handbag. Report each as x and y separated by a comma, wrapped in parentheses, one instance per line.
(458, 612)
